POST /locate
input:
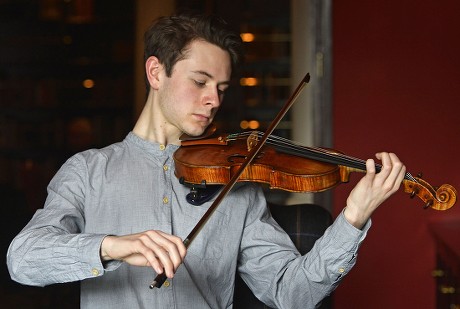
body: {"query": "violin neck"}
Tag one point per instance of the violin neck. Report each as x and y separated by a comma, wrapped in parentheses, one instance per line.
(322, 155)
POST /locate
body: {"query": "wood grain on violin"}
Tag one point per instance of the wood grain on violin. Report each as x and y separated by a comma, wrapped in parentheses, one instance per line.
(283, 164)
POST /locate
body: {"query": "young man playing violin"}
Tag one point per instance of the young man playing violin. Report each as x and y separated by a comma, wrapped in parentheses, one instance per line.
(115, 217)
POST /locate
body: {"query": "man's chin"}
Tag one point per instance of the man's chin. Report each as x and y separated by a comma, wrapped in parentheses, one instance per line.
(195, 132)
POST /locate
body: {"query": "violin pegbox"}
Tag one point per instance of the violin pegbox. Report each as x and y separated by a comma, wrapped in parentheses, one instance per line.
(441, 198)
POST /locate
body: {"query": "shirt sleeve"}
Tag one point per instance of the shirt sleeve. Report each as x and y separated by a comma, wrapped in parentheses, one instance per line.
(276, 272)
(52, 248)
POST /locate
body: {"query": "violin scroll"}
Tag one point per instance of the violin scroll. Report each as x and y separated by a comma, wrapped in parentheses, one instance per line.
(441, 198)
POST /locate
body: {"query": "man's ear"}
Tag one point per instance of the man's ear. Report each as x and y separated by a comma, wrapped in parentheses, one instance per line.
(152, 70)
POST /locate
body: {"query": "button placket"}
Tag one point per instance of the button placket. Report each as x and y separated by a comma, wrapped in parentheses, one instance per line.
(167, 177)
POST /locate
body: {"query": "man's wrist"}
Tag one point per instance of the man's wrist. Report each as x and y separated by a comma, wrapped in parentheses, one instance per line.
(103, 250)
(354, 218)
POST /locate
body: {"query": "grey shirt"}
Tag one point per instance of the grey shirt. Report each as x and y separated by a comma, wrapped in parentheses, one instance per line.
(129, 187)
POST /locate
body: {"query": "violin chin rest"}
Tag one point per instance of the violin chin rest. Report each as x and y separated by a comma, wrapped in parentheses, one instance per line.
(198, 197)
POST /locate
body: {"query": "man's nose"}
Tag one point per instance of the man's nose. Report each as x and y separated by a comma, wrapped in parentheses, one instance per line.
(213, 97)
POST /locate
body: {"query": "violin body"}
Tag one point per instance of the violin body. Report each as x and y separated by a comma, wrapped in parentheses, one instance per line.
(215, 163)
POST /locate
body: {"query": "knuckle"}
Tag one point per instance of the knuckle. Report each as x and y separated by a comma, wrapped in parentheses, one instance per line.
(387, 187)
(150, 233)
(387, 167)
(138, 242)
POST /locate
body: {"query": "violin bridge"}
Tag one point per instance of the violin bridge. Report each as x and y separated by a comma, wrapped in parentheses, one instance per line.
(252, 140)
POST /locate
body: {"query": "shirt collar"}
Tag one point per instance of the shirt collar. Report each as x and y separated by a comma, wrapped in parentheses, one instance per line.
(151, 147)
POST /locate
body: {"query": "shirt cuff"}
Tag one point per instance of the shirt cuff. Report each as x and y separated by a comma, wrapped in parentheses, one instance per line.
(348, 234)
(91, 256)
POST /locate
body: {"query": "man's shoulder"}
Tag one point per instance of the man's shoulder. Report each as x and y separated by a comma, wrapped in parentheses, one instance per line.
(95, 154)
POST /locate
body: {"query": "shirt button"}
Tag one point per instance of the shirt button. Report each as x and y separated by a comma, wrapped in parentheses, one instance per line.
(165, 168)
(162, 147)
(95, 272)
(166, 284)
(341, 270)
(165, 200)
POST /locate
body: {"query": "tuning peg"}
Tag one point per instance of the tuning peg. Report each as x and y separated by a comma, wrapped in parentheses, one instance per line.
(428, 204)
(414, 192)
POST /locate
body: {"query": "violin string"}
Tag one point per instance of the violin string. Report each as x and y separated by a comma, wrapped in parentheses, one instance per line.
(286, 145)
(320, 154)
(335, 158)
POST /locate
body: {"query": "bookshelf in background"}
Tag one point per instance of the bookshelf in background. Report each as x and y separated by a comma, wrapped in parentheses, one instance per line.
(66, 84)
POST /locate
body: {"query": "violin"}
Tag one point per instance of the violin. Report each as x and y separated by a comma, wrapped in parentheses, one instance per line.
(285, 165)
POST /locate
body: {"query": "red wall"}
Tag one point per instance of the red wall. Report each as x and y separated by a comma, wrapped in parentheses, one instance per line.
(396, 88)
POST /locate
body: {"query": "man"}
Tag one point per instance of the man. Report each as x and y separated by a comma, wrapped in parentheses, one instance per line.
(114, 214)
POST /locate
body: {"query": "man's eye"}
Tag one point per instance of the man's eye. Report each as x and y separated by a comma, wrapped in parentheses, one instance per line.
(200, 83)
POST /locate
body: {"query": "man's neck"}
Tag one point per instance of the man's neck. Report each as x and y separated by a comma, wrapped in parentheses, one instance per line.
(149, 128)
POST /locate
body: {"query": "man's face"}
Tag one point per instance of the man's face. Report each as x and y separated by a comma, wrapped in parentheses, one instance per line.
(190, 98)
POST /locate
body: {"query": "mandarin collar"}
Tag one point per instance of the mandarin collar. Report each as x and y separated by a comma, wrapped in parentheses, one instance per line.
(154, 148)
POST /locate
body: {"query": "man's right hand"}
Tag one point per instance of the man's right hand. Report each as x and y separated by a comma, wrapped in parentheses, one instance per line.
(161, 251)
